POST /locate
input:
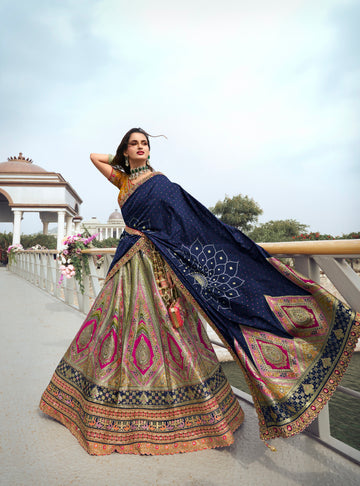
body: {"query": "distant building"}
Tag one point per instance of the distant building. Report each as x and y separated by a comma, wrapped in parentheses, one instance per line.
(112, 229)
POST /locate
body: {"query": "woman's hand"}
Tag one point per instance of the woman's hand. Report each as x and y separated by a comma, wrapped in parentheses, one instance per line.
(101, 162)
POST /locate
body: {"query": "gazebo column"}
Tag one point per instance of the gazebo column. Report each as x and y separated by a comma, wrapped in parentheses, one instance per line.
(68, 225)
(60, 230)
(77, 222)
(17, 227)
(45, 227)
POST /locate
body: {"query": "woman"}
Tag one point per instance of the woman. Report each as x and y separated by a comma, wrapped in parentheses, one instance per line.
(141, 375)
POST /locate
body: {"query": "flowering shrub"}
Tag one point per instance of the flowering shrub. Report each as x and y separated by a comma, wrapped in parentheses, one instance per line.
(12, 250)
(38, 247)
(312, 236)
(72, 261)
(355, 235)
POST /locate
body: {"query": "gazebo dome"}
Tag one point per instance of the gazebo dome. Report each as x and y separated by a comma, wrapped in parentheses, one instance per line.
(28, 188)
(115, 216)
(20, 164)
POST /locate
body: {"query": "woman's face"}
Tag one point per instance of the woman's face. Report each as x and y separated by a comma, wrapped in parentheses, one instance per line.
(137, 149)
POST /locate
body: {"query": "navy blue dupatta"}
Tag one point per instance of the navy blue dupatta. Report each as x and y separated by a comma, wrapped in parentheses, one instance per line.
(226, 272)
(266, 314)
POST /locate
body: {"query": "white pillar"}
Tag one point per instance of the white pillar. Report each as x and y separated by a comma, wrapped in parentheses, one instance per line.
(68, 225)
(77, 227)
(17, 227)
(77, 224)
(45, 227)
(60, 230)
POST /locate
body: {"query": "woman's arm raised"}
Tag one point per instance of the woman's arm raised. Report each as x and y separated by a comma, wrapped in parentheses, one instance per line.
(101, 162)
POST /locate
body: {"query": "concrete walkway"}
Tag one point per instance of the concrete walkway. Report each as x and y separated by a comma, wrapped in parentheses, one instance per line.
(35, 450)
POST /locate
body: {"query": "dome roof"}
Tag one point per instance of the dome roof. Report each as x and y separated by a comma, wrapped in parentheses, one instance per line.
(115, 216)
(20, 164)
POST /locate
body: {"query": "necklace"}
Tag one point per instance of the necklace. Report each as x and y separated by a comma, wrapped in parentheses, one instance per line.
(134, 173)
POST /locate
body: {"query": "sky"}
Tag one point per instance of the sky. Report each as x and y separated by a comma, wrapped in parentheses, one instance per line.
(257, 98)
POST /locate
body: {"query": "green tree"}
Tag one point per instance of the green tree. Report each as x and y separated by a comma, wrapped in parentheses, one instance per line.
(355, 235)
(107, 243)
(279, 230)
(5, 240)
(49, 241)
(239, 211)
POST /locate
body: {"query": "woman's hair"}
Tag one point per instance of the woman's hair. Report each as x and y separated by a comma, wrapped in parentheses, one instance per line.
(119, 159)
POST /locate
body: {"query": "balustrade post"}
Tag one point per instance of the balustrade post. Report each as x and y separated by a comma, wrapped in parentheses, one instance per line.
(42, 280)
(93, 276)
(345, 279)
(307, 266)
(69, 290)
(34, 273)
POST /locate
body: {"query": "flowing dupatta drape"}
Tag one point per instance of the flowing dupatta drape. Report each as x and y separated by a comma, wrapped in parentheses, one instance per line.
(292, 339)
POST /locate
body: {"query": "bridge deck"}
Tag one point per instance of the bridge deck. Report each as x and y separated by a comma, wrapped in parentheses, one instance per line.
(35, 331)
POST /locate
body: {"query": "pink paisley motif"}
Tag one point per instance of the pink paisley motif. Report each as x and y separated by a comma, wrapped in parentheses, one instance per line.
(274, 355)
(175, 351)
(83, 333)
(306, 309)
(143, 353)
(112, 345)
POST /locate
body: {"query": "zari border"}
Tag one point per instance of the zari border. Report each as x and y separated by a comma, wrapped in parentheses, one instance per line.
(146, 448)
(134, 186)
(308, 416)
(100, 441)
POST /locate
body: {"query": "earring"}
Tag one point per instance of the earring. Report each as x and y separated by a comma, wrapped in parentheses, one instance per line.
(148, 160)
(126, 161)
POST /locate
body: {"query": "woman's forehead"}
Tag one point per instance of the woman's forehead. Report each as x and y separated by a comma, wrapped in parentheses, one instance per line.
(137, 136)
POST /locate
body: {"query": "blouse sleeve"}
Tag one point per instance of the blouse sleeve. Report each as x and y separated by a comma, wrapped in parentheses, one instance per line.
(117, 178)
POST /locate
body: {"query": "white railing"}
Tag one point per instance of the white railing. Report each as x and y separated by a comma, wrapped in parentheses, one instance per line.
(41, 268)
(310, 258)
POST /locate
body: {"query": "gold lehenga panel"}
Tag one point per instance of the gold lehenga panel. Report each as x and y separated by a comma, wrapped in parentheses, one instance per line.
(134, 383)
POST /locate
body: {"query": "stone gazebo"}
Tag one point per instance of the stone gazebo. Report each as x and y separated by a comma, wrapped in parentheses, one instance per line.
(26, 187)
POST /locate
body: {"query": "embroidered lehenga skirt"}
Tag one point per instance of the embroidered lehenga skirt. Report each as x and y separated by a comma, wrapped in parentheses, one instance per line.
(133, 382)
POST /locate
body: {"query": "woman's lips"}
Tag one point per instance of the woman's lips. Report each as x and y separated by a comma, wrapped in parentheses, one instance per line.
(140, 152)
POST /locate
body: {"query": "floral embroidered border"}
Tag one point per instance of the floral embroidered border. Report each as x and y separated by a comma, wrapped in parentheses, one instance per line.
(104, 428)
